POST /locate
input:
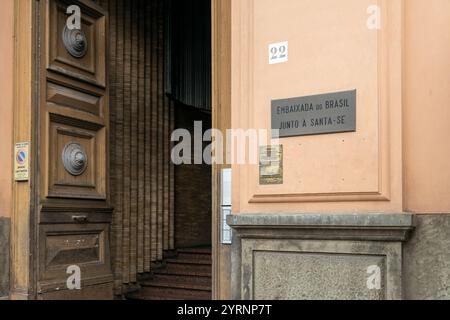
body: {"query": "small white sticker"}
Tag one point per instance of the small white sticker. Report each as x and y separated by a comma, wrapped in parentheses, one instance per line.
(278, 52)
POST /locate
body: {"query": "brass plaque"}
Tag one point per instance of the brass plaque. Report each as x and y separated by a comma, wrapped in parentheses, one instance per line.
(271, 165)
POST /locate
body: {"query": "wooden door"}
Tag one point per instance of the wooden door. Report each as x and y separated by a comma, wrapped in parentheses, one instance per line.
(74, 212)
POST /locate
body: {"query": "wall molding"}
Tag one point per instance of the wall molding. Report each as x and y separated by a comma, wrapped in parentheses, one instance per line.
(389, 83)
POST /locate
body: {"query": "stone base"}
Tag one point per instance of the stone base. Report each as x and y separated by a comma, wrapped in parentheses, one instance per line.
(315, 257)
(426, 259)
(4, 256)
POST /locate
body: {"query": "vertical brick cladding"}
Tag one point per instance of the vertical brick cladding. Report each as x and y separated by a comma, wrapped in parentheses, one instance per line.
(142, 188)
(143, 184)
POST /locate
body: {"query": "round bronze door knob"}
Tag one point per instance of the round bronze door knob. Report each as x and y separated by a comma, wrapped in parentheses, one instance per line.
(75, 159)
(75, 42)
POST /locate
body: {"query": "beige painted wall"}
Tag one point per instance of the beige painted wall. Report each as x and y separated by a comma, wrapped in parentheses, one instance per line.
(330, 49)
(6, 104)
(427, 106)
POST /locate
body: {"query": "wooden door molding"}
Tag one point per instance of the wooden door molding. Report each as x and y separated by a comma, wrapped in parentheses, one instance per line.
(75, 213)
(221, 119)
(25, 119)
(61, 217)
(89, 68)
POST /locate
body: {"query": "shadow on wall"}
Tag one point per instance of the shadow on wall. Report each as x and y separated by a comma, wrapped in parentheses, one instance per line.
(4, 256)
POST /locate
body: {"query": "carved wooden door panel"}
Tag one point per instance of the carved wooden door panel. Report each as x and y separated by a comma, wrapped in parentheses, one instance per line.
(74, 210)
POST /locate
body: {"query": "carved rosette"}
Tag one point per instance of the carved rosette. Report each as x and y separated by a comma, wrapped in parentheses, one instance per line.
(75, 42)
(75, 159)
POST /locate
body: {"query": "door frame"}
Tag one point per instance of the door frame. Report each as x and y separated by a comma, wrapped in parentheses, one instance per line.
(221, 119)
(24, 244)
(26, 122)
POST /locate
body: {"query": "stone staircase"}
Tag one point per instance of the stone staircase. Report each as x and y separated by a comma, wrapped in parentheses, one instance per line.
(184, 275)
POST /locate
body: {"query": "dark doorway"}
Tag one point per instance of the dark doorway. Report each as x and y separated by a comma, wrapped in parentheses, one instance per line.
(193, 191)
(188, 84)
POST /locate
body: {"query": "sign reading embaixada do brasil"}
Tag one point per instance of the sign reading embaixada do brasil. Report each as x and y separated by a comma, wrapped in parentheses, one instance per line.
(319, 114)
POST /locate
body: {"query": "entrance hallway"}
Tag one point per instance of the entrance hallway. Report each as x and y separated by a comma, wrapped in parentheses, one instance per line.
(159, 208)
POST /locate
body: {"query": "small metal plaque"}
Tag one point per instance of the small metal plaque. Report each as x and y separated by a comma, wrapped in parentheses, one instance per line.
(319, 114)
(271, 165)
(22, 162)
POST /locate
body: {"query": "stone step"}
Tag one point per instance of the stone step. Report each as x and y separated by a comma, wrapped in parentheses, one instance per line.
(171, 254)
(206, 258)
(169, 278)
(182, 269)
(184, 275)
(191, 260)
(178, 283)
(206, 251)
(164, 293)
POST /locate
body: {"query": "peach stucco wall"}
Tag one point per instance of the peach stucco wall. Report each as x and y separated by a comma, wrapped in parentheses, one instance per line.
(427, 106)
(6, 104)
(331, 49)
(398, 159)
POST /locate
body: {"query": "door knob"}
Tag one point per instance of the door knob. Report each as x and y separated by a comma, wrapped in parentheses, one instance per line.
(75, 159)
(75, 42)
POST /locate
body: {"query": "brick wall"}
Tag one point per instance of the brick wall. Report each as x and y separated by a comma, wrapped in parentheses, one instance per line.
(192, 189)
